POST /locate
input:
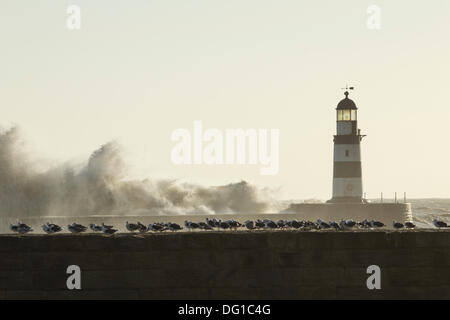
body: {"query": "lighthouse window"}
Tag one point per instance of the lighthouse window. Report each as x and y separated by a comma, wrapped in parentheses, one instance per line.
(346, 115)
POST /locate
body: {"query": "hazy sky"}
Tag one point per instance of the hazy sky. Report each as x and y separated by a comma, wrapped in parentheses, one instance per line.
(137, 70)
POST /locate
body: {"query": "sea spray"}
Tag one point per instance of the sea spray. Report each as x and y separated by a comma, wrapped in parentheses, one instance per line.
(100, 186)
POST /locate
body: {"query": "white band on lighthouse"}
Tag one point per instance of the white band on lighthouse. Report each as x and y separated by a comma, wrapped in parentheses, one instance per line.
(347, 187)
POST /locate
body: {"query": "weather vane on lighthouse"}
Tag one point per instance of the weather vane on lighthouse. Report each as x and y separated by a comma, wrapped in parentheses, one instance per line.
(346, 90)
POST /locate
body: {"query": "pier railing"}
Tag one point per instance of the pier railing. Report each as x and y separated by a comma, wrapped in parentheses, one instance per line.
(382, 199)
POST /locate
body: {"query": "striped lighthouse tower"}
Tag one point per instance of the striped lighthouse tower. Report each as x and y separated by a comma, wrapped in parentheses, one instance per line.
(347, 181)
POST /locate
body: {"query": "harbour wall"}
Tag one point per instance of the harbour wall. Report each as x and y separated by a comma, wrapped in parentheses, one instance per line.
(228, 265)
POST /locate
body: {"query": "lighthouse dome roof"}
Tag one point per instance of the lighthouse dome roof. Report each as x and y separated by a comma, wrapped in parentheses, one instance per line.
(346, 103)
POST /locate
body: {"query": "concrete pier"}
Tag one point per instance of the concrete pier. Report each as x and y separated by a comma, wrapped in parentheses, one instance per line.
(385, 212)
(228, 265)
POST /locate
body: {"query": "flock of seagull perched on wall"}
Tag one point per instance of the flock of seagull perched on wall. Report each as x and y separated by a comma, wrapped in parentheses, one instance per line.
(217, 224)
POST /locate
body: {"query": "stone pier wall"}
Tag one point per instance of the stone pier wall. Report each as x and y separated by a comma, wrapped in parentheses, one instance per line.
(228, 265)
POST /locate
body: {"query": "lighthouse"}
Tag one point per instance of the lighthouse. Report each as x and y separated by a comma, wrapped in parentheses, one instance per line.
(348, 201)
(347, 179)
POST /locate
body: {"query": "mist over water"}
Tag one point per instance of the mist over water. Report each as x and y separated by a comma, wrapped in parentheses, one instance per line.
(101, 187)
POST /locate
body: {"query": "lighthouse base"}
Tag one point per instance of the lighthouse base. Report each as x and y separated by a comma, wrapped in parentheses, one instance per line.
(347, 200)
(384, 212)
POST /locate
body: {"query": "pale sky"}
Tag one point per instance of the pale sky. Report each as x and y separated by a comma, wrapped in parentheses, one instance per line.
(138, 70)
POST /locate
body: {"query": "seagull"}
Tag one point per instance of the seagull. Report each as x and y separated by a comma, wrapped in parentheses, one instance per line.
(270, 224)
(156, 227)
(212, 223)
(21, 228)
(350, 223)
(95, 228)
(191, 225)
(281, 224)
(132, 227)
(250, 225)
(259, 224)
(323, 225)
(106, 227)
(224, 225)
(364, 224)
(76, 228)
(233, 224)
(295, 224)
(51, 228)
(204, 226)
(309, 225)
(334, 225)
(439, 224)
(107, 230)
(376, 224)
(410, 225)
(173, 226)
(24, 228)
(397, 225)
(142, 228)
(347, 224)
(194, 225)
